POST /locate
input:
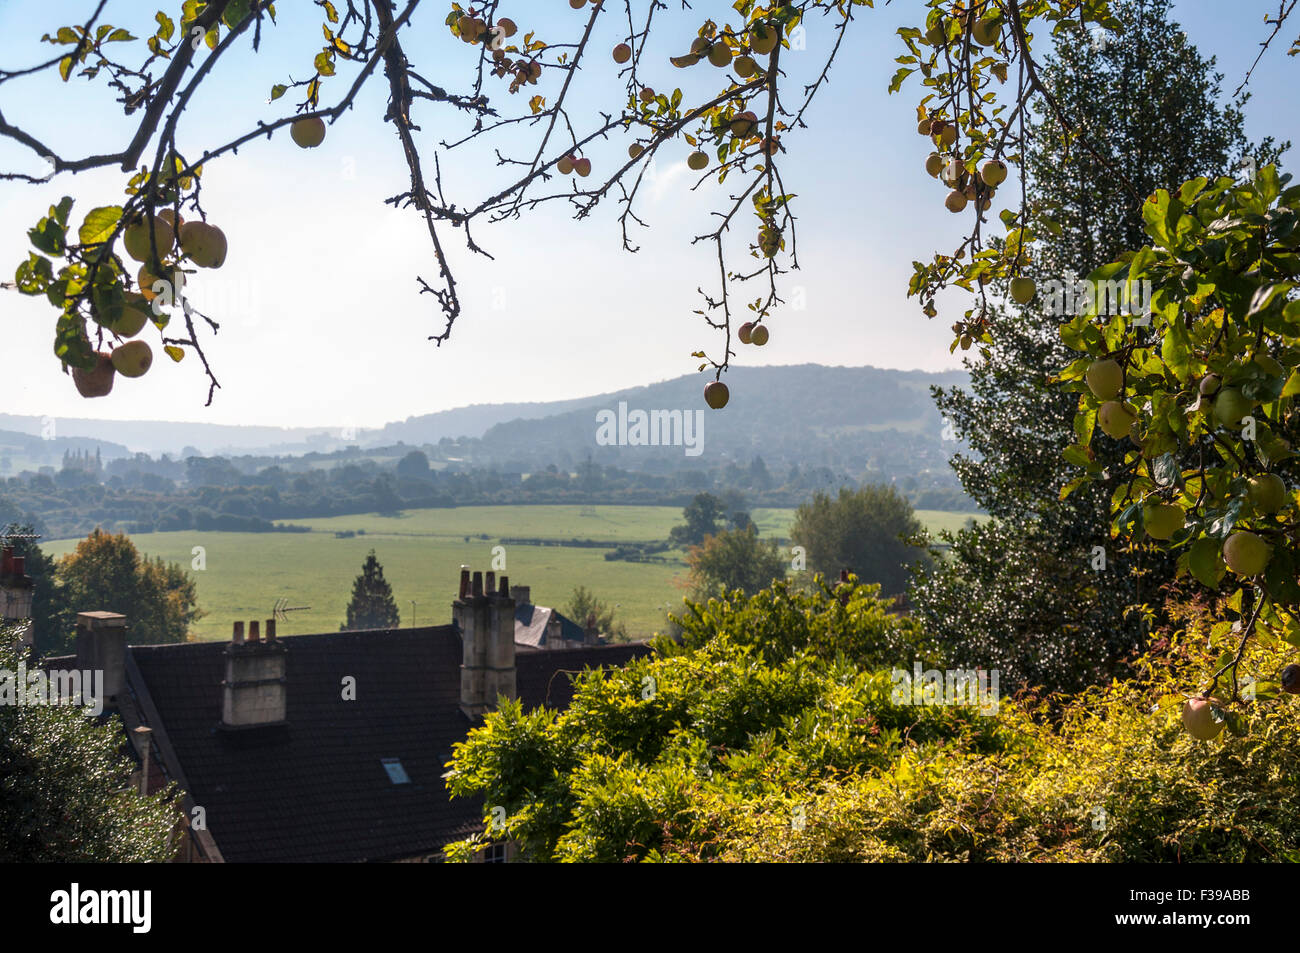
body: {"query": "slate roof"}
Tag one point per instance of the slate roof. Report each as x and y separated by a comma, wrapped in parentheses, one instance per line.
(315, 789)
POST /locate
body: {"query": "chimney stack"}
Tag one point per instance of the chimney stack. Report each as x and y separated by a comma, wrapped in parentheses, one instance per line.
(101, 646)
(486, 621)
(254, 692)
(590, 632)
(523, 595)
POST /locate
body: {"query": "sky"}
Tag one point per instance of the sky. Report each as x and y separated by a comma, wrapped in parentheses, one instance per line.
(322, 321)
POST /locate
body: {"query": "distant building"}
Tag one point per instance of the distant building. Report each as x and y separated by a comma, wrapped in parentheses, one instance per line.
(331, 747)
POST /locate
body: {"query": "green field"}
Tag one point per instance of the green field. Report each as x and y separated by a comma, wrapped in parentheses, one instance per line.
(422, 551)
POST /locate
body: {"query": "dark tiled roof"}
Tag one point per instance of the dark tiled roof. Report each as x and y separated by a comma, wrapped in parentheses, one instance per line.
(531, 621)
(315, 790)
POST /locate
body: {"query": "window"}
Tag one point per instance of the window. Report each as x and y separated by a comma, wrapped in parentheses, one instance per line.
(495, 854)
(396, 773)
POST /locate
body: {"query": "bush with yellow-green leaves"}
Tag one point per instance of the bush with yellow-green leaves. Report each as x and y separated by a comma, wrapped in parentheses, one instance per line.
(774, 732)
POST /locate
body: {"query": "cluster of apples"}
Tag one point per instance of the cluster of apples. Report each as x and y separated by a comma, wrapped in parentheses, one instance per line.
(951, 170)
(751, 333)
(1246, 553)
(568, 164)
(763, 38)
(984, 30)
(1199, 713)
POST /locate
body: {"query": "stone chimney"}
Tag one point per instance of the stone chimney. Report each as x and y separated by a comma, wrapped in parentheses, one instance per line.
(554, 632)
(590, 633)
(101, 646)
(254, 693)
(523, 595)
(486, 620)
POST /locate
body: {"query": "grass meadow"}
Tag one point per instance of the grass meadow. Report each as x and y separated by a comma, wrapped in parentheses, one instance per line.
(422, 551)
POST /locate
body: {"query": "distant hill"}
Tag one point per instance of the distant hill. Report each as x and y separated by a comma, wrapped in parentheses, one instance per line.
(811, 413)
(26, 451)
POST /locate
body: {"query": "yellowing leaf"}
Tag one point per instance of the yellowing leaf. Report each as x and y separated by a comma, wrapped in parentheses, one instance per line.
(174, 352)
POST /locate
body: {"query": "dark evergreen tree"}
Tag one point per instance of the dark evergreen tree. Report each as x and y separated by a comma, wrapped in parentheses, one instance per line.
(372, 605)
(1025, 593)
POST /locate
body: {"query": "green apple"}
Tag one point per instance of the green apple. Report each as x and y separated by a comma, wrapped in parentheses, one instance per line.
(993, 172)
(716, 394)
(132, 359)
(985, 32)
(205, 244)
(1162, 520)
(1022, 289)
(1268, 493)
(136, 239)
(134, 317)
(745, 66)
(934, 164)
(1246, 554)
(1209, 385)
(1105, 378)
(720, 55)
(1269, 365)
(758, 336)
(1116, 419)
(1230, 405)
(308, 133)
(697, 161)
(1198, 719)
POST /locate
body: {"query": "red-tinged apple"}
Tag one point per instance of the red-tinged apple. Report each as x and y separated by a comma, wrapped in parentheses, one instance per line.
(98, 380)
(622, 53)
(956, 201)
(745, 332)
(565, 165)
(582, 167)
(1199, 720)
(1246, 554)
(1291, 679)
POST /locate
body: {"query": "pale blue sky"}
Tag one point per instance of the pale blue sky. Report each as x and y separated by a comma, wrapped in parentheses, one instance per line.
(323, 324)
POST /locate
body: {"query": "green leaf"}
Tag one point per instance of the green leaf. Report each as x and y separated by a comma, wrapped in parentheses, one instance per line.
(1205, 560)
(166, 27)
(65, 67)
(33, 275)
(99, 224)
(277, 91)
(1237, 723)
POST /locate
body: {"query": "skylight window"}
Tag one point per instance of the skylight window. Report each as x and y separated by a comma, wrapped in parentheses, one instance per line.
(396, 773)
